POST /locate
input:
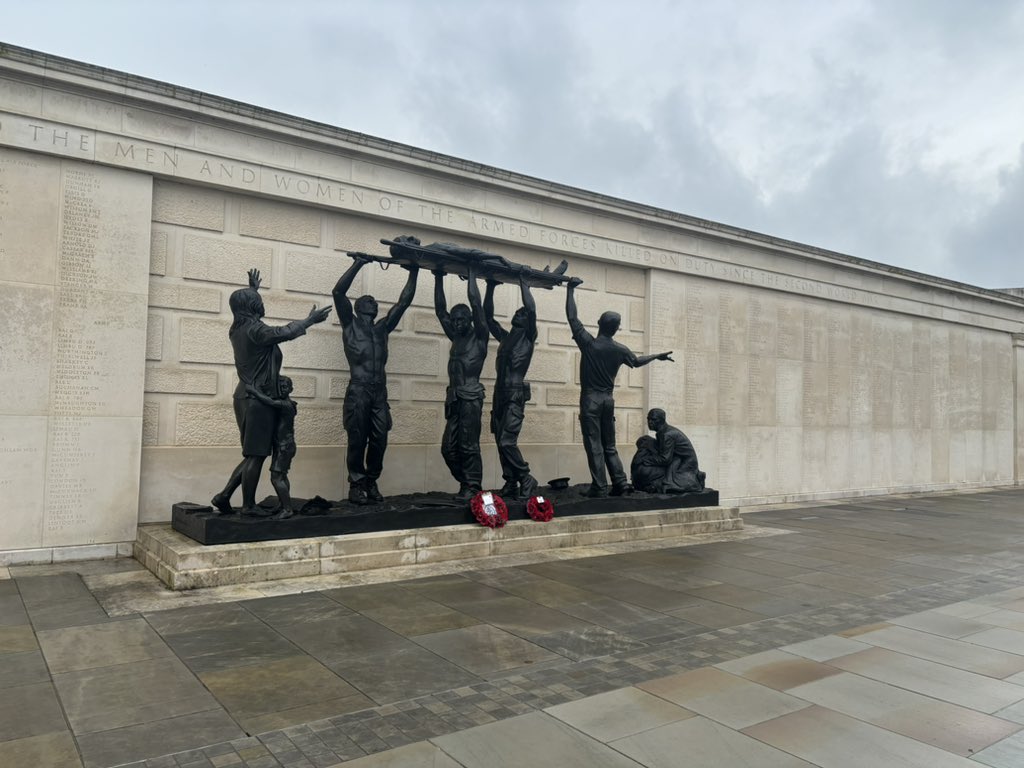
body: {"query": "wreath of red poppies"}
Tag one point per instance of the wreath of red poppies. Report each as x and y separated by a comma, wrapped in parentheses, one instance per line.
(489, 509)
(540, 509)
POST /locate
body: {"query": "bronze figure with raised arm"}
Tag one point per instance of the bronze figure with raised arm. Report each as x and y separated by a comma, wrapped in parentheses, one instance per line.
(258, 365)
(512, 391)
(367, 415)
(600, 360)
(466, 327)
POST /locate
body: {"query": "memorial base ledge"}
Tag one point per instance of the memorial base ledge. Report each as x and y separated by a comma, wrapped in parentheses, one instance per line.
(181, 563)
(47, 555)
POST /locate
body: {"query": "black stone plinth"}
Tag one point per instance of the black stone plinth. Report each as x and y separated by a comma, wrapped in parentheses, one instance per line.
(425, 510)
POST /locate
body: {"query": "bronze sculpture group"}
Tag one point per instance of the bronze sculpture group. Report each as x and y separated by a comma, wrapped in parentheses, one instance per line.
(266, 414)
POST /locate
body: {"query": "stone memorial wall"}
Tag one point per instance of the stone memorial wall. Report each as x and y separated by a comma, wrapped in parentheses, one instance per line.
(792, 395)
(130, 210)
(73, 303)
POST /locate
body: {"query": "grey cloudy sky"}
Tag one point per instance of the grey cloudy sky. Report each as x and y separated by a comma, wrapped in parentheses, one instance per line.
(891, 130)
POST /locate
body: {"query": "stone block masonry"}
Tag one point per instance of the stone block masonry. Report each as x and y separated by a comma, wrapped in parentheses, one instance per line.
(129, 212)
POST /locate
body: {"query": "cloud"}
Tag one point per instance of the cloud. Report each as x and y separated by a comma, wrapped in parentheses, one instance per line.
(989, 251)
(882, 129)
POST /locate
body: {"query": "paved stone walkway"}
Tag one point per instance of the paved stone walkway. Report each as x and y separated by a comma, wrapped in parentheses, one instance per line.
(883, 631)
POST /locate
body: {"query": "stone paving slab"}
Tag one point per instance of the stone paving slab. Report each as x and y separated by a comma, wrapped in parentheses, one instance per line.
(950, 567)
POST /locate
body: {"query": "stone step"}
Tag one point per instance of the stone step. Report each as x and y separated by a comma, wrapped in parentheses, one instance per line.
(181, 563)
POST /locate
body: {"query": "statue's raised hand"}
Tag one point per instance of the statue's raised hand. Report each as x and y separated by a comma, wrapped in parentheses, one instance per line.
(254, 279)
(317, 315)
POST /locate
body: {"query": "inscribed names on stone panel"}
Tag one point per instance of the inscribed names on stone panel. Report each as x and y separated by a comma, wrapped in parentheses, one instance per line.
(860, 370)
(904, 438)
(903, 344)
(29, 202)
(732, 461)
(974, 443)
(958, 399)
(790, 324)
(991, 458)
(957, 457)
(668, 332)
(761, 371)
(921, 407)
(990, 384)
(733, 389)
(815, 333)
(902, 372)
(920, 404)
(733, 381)
(29, 205)
(761, 329)
(815, 394)
(940, 403)
(789, 390)
(789, 362)
(700, 367)
(22, 477)
(26, 315)
(732, 320)
(973, 388)
(902, 399)
(815, 368)
(96, 390)
(902, 455)
(1003, 375)
(837, 457)
(839, 371)
(940, 394)
(788, 459)
(881, 459)
(957, 380)
(860, 457)
(815, 461)
(922, 457)
(881, 398)
(761, 382)
(761, 448)
(973, 455)
(881, 372)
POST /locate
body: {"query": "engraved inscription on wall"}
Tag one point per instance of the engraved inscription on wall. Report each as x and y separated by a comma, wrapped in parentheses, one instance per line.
(79, 284)
(78, 363)
(836, 397)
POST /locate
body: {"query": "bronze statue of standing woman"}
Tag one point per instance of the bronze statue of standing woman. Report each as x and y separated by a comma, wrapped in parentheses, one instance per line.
(258, 365)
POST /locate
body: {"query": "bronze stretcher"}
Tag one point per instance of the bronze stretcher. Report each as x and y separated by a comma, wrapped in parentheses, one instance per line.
(455, 260)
